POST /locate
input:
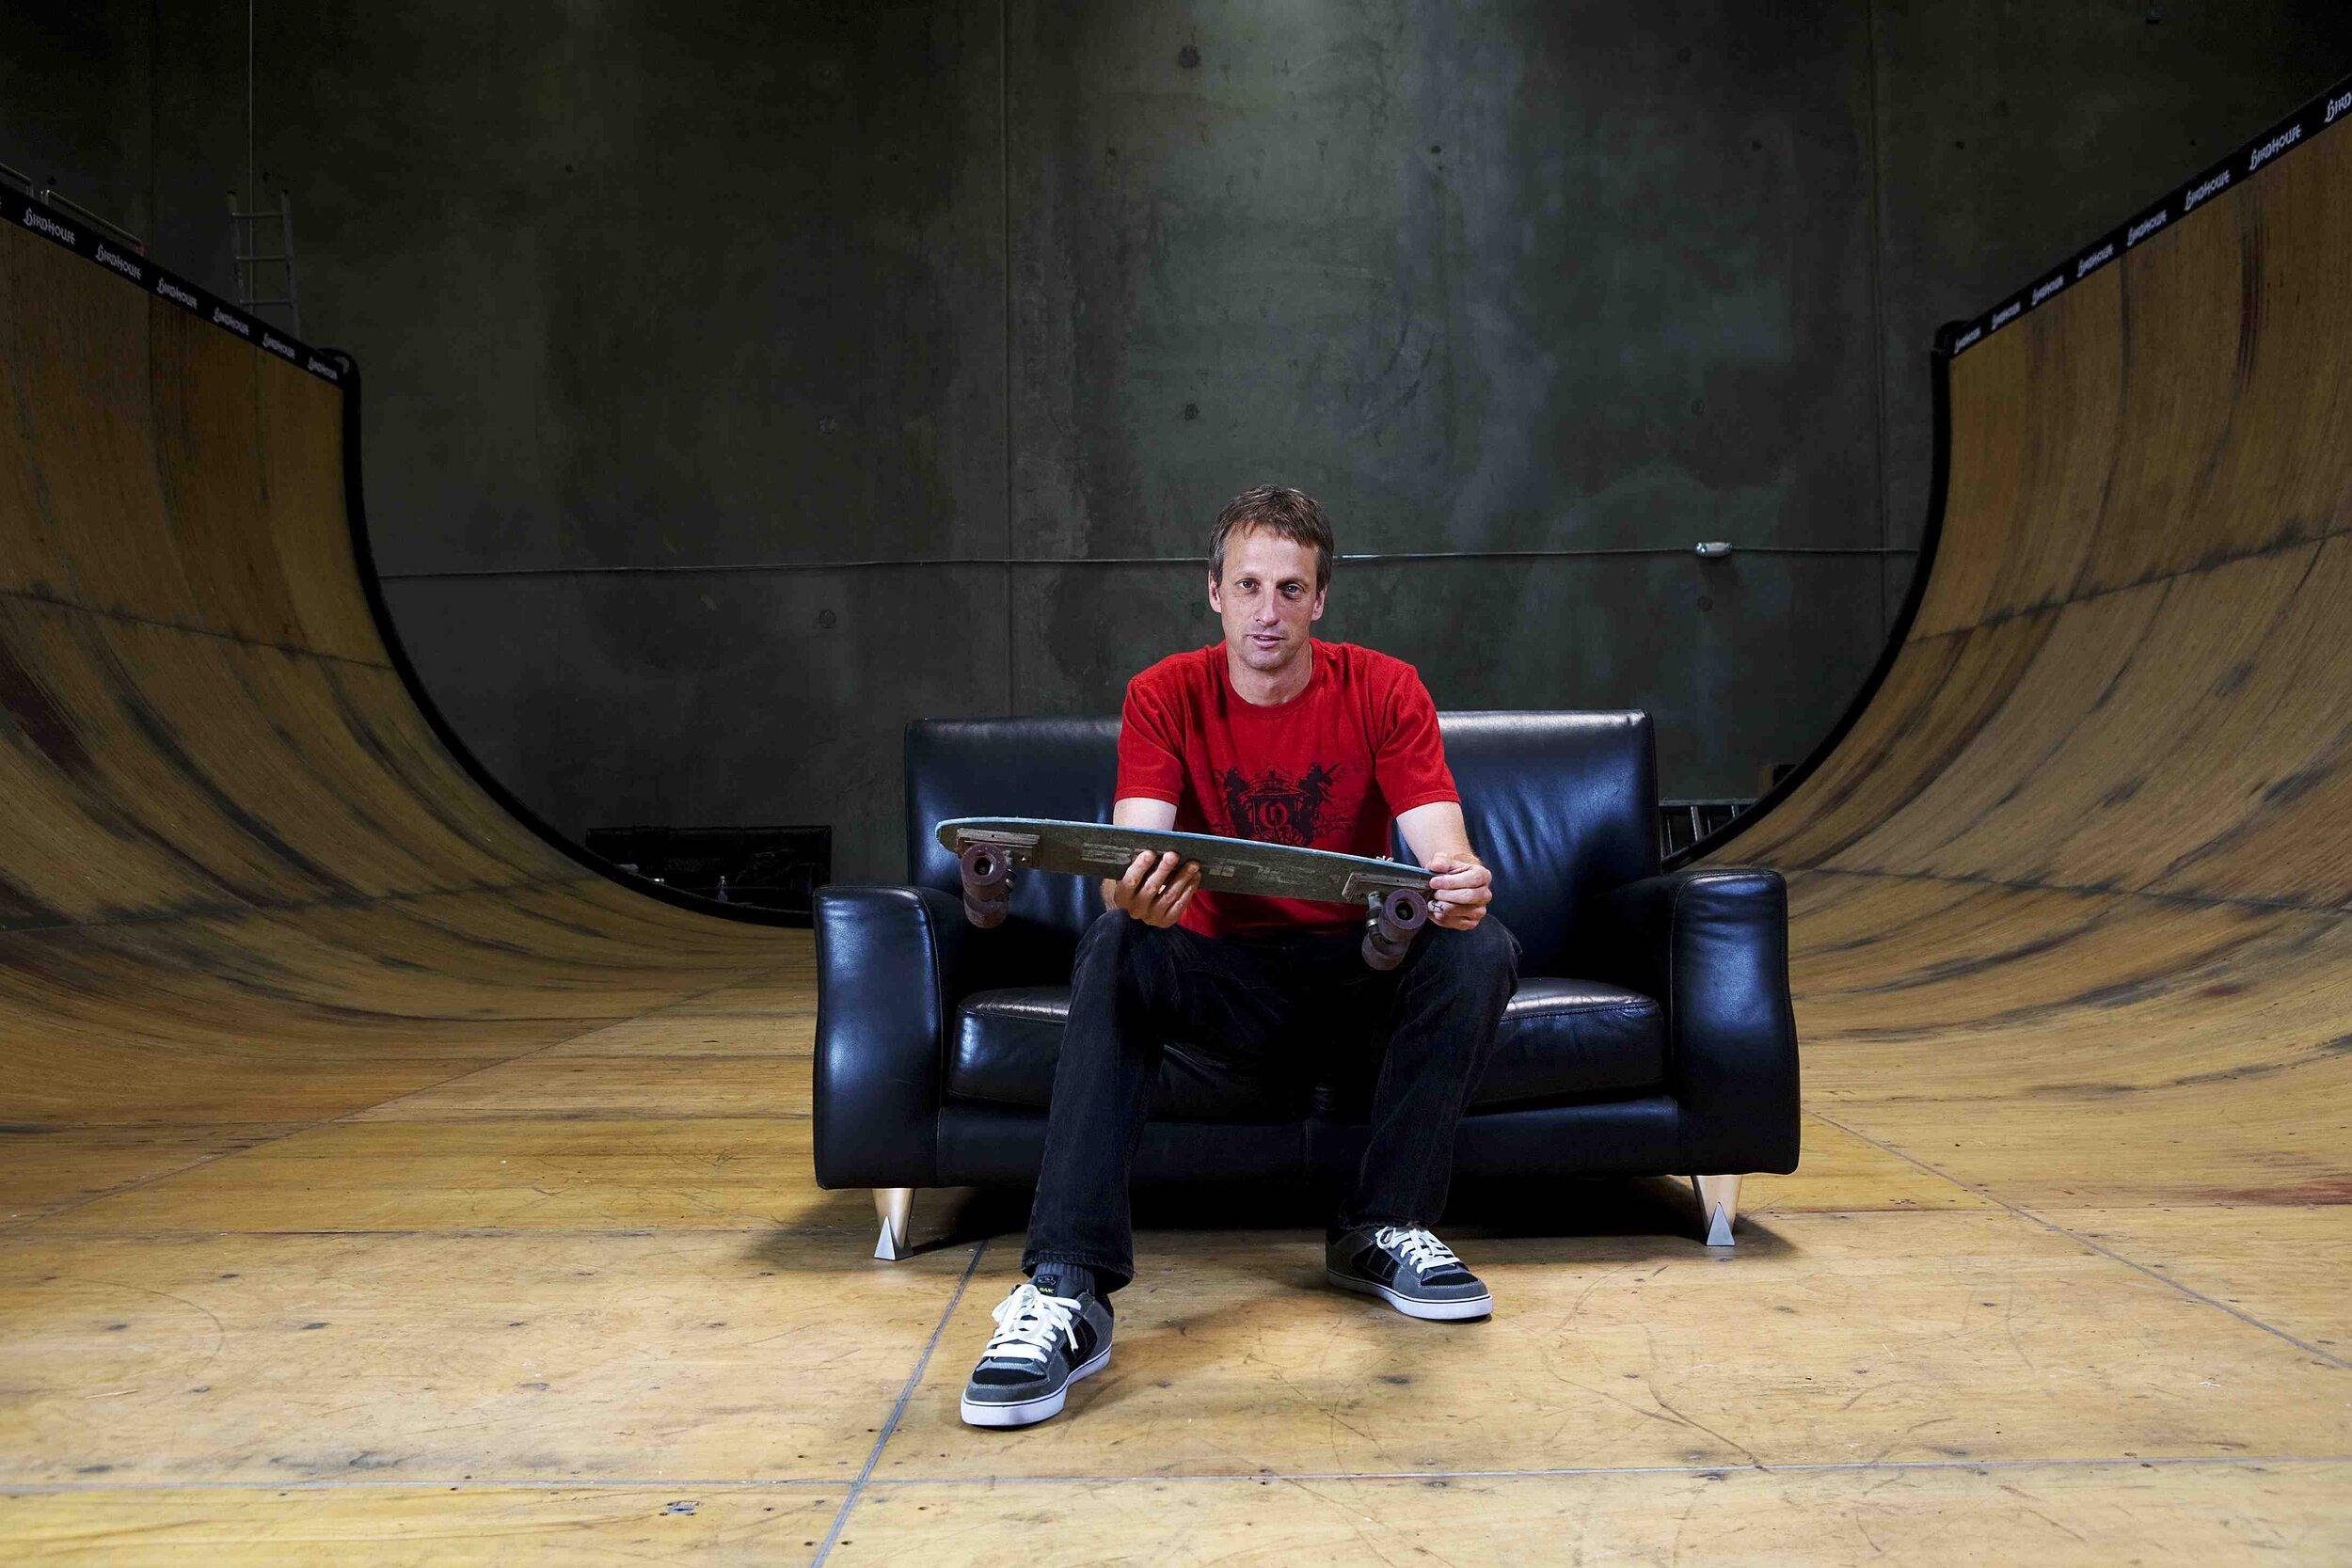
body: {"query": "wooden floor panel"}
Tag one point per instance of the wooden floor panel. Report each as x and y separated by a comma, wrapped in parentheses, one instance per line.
(420, 1527)
(2073, 1516)
(298, 1072)
(444, 1359)
(2286, 1266)
(1860, 1338)
(1839, 1172)
(2168, 1148)
(553, 1083)
(2079, 1516)
(774, 1015)
(705, 1034)
(535, 1174)
(44, 1168)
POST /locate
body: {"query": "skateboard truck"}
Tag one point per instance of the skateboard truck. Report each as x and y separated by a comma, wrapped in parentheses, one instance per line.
(987, 882)
(1396, 913)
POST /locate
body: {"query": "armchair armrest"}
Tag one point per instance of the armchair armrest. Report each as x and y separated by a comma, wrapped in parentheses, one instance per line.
(890, 966)
(1712, 946)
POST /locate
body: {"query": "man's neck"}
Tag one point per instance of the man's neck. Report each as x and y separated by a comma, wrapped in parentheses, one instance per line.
(1267, 688)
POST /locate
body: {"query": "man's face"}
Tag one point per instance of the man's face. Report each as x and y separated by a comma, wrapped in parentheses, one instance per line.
(1268, 599)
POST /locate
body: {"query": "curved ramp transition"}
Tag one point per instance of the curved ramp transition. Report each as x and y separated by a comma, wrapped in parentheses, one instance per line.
(2072, 902)
(242, 883)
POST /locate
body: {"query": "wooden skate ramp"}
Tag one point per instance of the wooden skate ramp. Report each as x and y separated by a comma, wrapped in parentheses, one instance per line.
(242, 885)
(381, 1185)
(2072, 900)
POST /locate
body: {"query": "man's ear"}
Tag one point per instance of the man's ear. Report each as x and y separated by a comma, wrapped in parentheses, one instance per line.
(1321, 594)
(1216, 602)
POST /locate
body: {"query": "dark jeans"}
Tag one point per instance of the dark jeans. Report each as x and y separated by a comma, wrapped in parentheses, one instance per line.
(1275, 1010)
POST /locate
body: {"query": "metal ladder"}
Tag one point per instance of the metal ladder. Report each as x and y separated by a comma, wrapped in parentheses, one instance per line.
(246, 233)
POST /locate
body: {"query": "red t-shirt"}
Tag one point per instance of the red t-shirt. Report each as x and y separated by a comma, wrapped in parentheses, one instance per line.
(1328, 770)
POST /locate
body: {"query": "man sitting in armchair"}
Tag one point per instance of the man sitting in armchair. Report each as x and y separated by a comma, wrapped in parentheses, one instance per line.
(1269, 735)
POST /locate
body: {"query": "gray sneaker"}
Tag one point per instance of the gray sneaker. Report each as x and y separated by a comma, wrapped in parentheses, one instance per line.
(1410, 1269)
(1045, 1341)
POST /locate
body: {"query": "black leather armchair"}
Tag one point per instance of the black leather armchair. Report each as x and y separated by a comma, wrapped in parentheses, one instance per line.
(1651, 1034)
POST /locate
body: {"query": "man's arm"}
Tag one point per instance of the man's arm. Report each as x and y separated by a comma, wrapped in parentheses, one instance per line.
(1461, 886)
(1153, 893)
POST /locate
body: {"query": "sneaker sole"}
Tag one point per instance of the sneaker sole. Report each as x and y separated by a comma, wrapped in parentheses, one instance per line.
(1428, 1311)
(1028, 1413)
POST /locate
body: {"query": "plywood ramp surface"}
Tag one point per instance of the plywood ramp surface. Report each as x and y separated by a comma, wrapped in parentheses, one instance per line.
(2071, 903)
(243, 880)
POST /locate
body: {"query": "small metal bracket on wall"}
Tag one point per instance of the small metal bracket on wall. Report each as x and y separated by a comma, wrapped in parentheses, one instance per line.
(49, 196)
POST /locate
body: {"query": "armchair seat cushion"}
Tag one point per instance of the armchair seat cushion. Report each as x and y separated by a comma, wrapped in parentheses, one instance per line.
(1561, 1039)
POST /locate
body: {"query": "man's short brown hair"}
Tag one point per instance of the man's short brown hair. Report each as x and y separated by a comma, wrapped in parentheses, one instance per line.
(1279, 509)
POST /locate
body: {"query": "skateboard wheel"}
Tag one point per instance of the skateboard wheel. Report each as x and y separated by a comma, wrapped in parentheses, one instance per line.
(984, 866)
(1382, 953)
(986, 913)
(1404, 910)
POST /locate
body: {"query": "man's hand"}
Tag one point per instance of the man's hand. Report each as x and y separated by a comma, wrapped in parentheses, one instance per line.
(1155, 890)
(1460, 886)
(1459, 891)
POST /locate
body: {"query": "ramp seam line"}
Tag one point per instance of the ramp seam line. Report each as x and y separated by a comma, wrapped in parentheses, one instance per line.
(857, 1487)
(2056, 1229)
(2206, 567)
(2202, 900)
(1237, 1477)
(55, 602)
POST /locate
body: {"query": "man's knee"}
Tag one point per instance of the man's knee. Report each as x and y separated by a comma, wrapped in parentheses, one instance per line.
(1122, 953)
(1109, 929)
(1486, 955)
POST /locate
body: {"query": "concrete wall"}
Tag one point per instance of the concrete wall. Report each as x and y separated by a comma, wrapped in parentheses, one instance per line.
(743, 380)
(2010, 132)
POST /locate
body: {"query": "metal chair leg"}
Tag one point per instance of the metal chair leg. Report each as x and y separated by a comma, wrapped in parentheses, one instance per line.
(1718, 1205)
(893, 1205)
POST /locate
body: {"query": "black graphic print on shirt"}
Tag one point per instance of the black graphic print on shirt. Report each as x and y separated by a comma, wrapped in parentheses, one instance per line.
(1276, 808)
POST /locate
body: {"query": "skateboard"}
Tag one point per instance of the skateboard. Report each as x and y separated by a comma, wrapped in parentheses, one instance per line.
(989, 849)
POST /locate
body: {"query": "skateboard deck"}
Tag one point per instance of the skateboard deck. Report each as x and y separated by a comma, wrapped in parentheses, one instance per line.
(990, 849)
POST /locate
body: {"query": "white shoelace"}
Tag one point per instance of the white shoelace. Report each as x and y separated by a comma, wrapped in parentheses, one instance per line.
(1420, 1249)
(1028, 1324)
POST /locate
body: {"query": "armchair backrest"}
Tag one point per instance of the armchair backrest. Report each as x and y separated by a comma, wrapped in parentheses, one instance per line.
(1056, 767)
(1560, 804)
(1562, 807)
